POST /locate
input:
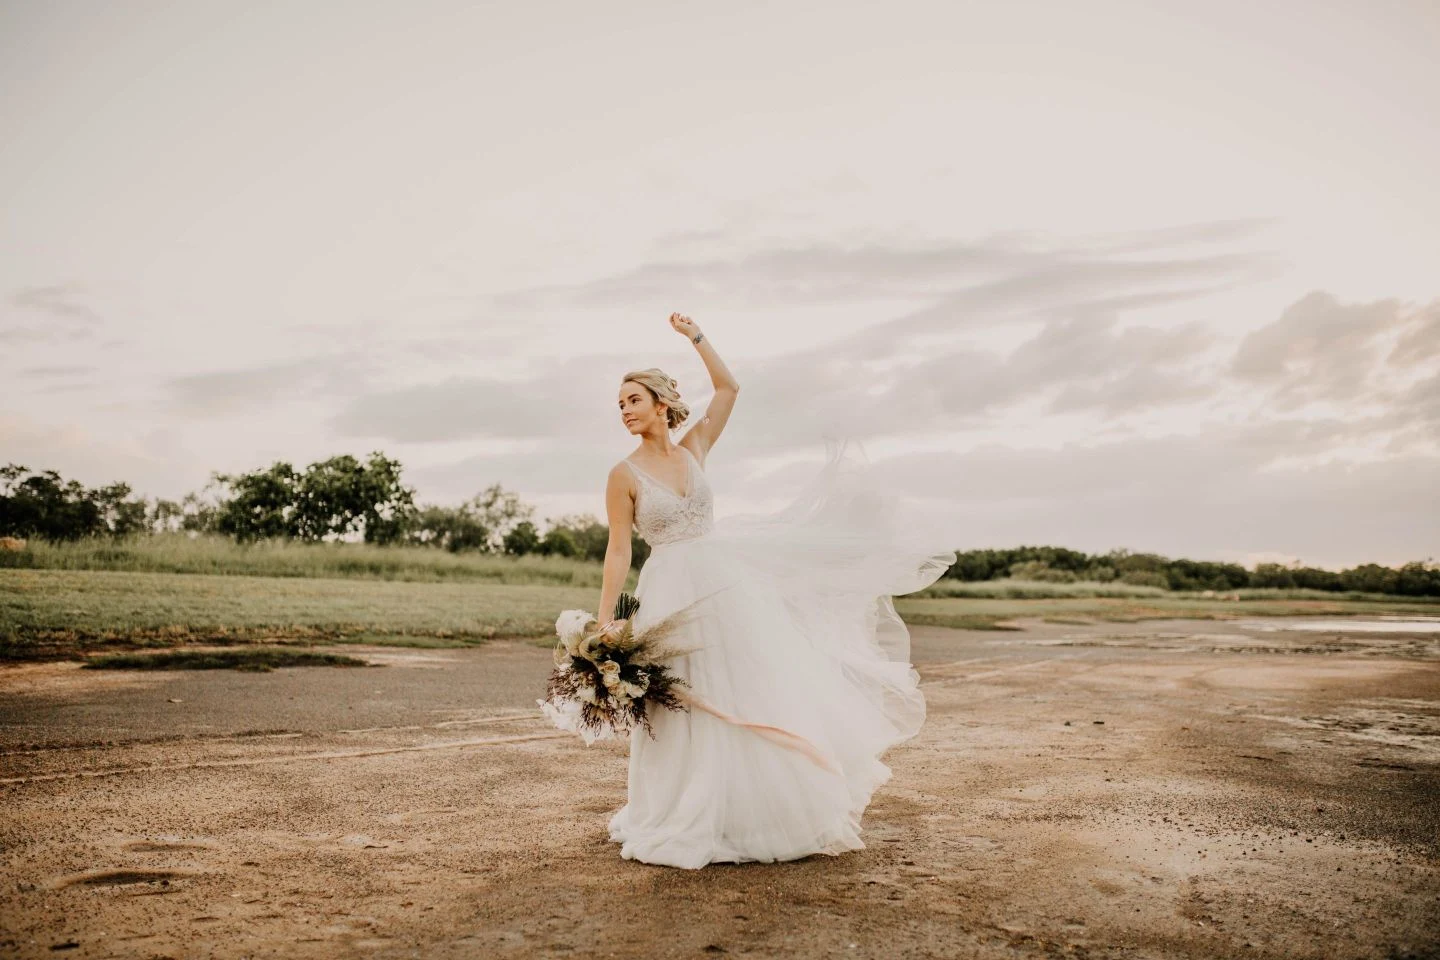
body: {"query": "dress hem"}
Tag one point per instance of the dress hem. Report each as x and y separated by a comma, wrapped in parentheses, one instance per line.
(634, 842)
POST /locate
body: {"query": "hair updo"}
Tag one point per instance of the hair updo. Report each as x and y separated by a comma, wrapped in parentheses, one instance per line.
(662, 388)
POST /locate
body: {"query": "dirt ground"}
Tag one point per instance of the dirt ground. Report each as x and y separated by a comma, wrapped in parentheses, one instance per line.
(1157, 789)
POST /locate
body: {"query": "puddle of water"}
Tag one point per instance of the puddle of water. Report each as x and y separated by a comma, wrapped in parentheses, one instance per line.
(1349, 624)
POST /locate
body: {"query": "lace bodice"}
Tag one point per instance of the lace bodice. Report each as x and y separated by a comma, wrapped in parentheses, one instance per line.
(663, 517)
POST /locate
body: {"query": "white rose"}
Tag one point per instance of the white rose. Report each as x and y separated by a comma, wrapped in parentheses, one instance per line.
(572, 623)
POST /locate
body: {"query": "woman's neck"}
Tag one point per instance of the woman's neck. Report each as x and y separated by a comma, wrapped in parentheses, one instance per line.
(659, 446)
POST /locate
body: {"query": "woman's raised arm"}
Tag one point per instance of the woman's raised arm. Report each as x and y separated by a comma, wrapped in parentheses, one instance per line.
(727, 388)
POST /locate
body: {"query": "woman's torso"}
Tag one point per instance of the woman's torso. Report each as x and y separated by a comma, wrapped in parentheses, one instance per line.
(662, 515)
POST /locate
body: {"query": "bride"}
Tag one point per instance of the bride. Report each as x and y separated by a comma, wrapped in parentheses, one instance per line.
(799, 664)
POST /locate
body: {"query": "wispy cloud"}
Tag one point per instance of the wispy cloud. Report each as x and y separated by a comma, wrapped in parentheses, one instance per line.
(1218, 490)
(552, 403)
(64, 370)
(325, 377)
(1075, 292)
(53, 313)
(1421, 340)
(1319, 349)
(1378, 363)
(1013, 270)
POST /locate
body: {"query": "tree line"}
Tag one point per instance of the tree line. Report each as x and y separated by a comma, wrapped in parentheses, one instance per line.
(342, 498)
(1060, 564)
(346, 498)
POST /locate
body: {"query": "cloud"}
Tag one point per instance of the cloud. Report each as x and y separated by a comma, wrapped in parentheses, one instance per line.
(81, 452)
(1360, 358)
(891, 377)
(327, 377)
(53, 313)
(1133, 391)
(1319, 349)
(880, 381)
(60, 378)
(1092, 287)
(1244, 475)
(1421, 341)
(1082, 363)
(1088, 352)
(459, 408)
(1249, 467)
(224, 392)
(1189, 467)
(1004, 271)
(541, 468)
(1418, 408)
(339, 374)
(552, 404)
(1215, 493)
(59, 370)
(1214, 231)
(818, 273)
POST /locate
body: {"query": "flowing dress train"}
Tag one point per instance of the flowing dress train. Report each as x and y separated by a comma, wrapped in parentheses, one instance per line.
(798, 634)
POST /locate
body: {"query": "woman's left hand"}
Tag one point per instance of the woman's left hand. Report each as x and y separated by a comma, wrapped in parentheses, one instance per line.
(684, 325)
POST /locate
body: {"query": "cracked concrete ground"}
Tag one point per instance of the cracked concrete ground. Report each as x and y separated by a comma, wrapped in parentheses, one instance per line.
(1156, 789)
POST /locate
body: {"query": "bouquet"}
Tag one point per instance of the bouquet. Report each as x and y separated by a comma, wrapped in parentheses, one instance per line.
(605, 685)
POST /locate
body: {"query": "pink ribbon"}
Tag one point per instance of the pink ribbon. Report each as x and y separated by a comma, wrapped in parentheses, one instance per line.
(783, 737)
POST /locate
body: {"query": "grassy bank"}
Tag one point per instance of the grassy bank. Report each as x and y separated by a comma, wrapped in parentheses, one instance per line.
(220, 556)
(998, 613)
(1042, 590)
(46, 613)
(61, 613)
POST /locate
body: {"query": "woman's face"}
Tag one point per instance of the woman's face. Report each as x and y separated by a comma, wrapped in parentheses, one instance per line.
(638, 410)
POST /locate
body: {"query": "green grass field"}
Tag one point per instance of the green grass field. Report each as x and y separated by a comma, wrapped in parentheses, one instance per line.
(52, 613)
(997, 613)
(63, 599)
(71, 599)
(220, 556)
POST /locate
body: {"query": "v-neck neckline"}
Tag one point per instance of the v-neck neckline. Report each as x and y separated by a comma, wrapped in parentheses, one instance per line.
(689, 475)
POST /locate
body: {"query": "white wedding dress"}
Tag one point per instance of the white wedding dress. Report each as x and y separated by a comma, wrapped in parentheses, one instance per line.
(803, 666)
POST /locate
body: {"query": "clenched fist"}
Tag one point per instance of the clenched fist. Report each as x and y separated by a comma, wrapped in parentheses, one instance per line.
(684, 325)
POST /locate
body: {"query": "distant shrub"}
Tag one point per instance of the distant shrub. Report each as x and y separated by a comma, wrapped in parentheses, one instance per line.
(1040, 571)
(1145, 578)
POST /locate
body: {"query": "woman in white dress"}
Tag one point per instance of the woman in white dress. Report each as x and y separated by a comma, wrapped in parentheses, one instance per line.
(800, 666)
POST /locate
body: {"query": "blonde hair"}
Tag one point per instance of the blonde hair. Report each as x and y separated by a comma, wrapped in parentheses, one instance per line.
(662, 388)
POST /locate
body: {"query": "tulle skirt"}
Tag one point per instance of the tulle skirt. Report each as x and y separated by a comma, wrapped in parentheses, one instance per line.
(796, 632)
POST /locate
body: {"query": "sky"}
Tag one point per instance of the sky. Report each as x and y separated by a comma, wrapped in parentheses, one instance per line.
(1160, 276)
